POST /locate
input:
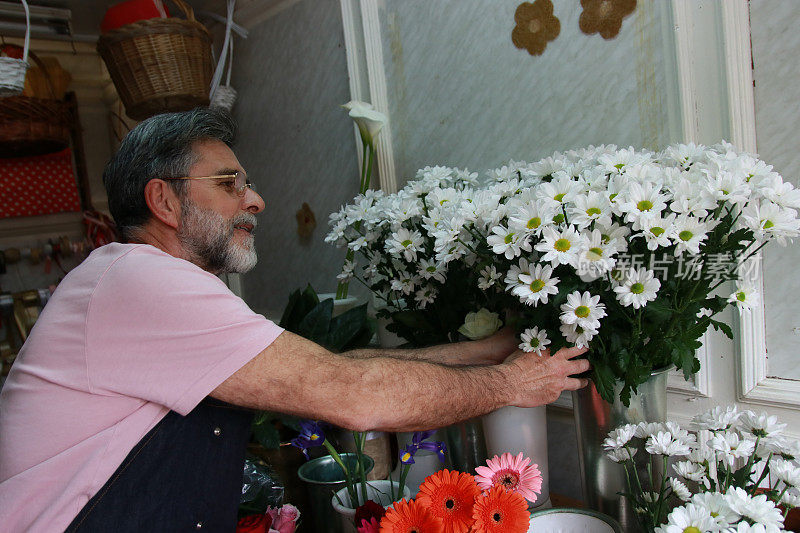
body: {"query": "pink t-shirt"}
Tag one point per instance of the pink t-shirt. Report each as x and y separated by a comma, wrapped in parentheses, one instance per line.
(128, 335)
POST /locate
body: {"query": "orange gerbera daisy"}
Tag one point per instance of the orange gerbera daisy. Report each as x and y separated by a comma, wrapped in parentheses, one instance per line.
(501, 511)
(410, 517)
(450, 496)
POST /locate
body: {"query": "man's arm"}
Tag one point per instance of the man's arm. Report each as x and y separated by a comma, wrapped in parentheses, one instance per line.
(296, 376)
(491, 350)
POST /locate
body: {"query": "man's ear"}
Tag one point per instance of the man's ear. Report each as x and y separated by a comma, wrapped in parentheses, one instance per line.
(163, 202)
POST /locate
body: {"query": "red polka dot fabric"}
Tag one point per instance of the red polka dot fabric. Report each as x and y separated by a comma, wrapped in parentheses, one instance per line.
(38, 185)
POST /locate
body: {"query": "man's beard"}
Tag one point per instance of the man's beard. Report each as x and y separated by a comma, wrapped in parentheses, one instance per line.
(208, 239)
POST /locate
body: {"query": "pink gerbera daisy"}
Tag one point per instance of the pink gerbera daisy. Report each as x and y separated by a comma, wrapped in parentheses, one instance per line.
(513, 473)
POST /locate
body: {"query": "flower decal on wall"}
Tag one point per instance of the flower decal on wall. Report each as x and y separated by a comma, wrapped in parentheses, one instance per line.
(604, 16)
(536, 26)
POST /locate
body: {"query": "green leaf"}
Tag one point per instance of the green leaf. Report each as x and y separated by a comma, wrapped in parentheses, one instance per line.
(267, 435)
(657, 311)
(604, 380)
(721, 326)
(316, 324)
(346, 326)
(300, 304)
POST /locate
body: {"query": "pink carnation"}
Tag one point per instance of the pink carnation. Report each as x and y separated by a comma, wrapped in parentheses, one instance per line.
(284, 520)
(373, 526)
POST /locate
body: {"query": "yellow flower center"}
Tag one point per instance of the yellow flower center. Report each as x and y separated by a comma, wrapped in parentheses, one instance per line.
(686, 235)
(593, 211)
(559, 218)
(431, 269)
(406, 243)
(537, 285)
(562, 245)
(619, 165)
(509, 238)
(768, 224)
(581, 311)
(534, 342)
(406, 457)
(644, 205)
(637, 288)
(691, 529)
(314, 436)
(741, 296)
(596, 253)
(657, 231)
(560, 196)
(534, 223)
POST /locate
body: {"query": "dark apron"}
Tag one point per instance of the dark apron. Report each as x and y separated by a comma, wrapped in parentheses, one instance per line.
(184, 475)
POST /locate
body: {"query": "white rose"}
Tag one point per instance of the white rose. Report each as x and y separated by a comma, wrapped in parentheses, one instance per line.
(480, 325)
(368, 119)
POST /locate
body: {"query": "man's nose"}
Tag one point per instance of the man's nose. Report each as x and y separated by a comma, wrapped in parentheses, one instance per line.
(253, 201)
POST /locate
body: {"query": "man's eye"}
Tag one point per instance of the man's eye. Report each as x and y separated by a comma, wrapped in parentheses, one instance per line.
(229, 184)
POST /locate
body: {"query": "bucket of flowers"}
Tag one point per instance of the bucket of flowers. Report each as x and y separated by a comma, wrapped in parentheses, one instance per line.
(744, 479)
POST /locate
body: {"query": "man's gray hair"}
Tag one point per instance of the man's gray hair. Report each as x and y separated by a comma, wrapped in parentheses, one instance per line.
(159, 147)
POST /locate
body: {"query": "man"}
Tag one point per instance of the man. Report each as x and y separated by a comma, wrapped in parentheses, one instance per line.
(123, 410)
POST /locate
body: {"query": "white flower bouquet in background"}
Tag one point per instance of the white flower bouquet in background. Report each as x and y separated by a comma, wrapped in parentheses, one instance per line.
(616, 249)
(732, 484)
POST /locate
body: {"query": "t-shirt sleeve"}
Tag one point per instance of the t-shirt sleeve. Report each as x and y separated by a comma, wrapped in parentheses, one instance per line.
(165, 331)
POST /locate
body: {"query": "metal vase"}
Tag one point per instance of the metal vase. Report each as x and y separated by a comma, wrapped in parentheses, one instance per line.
(515, 430)
(602, 478)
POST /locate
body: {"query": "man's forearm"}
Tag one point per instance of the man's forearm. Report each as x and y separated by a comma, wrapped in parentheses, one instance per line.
(446, 354)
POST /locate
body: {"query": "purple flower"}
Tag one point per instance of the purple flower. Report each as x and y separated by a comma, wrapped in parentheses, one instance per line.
(418, 443)
(311, 434)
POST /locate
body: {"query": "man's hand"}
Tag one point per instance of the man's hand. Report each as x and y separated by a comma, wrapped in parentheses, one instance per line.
(539, 379)
(491, 350)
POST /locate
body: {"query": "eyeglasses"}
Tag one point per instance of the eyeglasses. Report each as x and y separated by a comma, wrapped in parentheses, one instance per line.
(238, 183)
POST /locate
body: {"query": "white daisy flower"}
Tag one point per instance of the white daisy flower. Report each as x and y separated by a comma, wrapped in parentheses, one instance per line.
(425, 296)
(562, 189)
(534, 340)
(731, 447)
(528, 218)
(647, 429)
(560, 247)
(596, 257)
(785, 471)
(619, 455)
(638, 287)
(791, 497)
(664, 443)
(592, 207)
(405, 282)
(757, 508)
(640, 200)
(488, 277)
(690, 470)
(783, 193)
(688, 519)
(718, 507)
(536, 286)
(614, 232)
(512, 277)
(761, 425)
(745, 297)
(620, 436)
(430, 269)
(727, 186)
(680, 490)
(347, 272)
(716, 419)
(689, 233)
(584, 310)
(406, 242)
(507, 242)
(769, 220)
(575, 334)
(657, 231)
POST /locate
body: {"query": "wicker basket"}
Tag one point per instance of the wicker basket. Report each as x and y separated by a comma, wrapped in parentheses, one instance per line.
(159, 65)
(12, 70)
(34, 126)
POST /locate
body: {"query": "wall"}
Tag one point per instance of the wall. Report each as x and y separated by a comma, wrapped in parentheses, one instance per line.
(296, 144)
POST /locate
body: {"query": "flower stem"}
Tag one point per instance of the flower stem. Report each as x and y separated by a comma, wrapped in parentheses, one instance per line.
(348, 479)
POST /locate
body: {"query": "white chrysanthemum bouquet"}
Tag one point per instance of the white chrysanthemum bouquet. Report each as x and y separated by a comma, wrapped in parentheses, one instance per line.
(618, 250)
(733, 483)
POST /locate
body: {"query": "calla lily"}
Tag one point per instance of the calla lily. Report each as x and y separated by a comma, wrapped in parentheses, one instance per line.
(369, 120)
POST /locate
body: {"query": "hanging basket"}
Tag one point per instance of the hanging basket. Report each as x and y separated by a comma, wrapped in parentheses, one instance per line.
(159, 65)
(12, 70)
(34, 126)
